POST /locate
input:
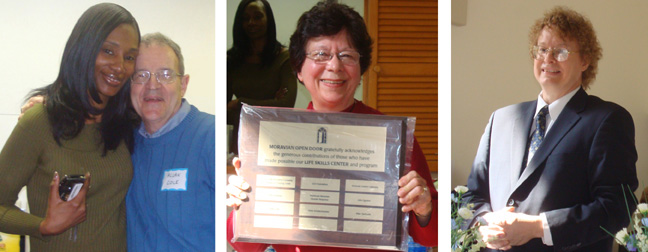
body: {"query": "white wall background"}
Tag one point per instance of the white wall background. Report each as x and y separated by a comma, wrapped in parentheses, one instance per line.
(491, 67)
(286, 13)
(34, 33)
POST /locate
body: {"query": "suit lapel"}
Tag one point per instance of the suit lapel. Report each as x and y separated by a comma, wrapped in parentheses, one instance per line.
(563, 124)
(520, 136)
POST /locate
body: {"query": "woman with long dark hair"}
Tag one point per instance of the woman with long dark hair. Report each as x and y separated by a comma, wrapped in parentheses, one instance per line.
(258, 69)
(83, 128)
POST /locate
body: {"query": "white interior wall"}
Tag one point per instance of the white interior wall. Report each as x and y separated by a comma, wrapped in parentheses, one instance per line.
(34, 34)
(286, 13)
(491, 67)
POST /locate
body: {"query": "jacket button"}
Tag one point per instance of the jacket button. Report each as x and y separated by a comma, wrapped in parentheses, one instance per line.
(511, 203)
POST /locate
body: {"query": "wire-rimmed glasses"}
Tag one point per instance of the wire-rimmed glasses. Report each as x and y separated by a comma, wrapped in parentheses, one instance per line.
(560, 54)
(164, 76)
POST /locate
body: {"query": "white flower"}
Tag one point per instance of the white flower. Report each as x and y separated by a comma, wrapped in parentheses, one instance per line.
(474, 249)
(465, 213)
(621, 236)
(478, 236)
(643, 207)
(461, 189)
(641, 244)
(640, 240)
(471, 237)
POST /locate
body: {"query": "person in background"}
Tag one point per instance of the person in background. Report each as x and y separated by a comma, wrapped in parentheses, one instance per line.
(329, 51)
(84, 128)
(549, 173)
(258, 70)
(170, 203)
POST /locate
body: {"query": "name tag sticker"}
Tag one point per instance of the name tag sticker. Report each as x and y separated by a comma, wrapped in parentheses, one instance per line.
(175, 180)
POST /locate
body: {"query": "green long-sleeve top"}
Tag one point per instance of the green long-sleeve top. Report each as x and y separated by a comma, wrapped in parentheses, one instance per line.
(30, 157)
(256, 84)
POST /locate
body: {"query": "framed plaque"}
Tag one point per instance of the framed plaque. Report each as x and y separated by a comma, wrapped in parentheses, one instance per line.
(324, 179)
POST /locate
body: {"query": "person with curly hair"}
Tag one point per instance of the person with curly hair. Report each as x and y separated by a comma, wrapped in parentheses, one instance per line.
(549, 173)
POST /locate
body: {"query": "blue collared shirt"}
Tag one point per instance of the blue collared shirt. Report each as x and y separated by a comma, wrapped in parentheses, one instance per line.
(176, 119)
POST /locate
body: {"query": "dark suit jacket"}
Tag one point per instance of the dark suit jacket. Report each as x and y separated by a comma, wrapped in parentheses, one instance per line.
(575, 177)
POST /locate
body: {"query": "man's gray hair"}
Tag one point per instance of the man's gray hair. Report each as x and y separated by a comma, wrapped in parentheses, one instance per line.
(159, 39)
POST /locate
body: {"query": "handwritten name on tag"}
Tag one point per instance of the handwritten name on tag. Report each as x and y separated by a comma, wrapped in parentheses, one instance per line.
(175, 180)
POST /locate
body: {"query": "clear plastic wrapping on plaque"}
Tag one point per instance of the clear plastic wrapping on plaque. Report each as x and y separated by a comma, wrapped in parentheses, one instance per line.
(324, 179)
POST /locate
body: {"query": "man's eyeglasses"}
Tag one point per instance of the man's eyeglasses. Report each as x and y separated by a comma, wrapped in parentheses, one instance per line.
(560, 54)
(350, 58)
(166, 76)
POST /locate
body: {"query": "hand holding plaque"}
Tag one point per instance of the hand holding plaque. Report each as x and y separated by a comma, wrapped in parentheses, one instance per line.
(237, 187)
(327, 179)
(415, 196)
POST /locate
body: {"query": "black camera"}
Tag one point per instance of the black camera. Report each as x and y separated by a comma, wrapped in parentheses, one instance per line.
(70, 186)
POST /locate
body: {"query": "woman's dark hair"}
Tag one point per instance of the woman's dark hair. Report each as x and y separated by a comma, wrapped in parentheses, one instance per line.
(242, 44)
(327, 19)
(68, 101)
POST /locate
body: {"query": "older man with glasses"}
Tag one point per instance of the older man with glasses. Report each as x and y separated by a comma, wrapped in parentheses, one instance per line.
(170, 203)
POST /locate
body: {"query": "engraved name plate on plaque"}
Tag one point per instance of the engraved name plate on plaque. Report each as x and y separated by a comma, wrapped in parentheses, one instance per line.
(324, 179)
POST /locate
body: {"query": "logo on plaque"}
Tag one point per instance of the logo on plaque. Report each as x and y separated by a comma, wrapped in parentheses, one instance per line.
(321, 135)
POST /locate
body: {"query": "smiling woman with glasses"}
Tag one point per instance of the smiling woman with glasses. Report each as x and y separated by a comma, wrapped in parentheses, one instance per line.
(329, 52)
